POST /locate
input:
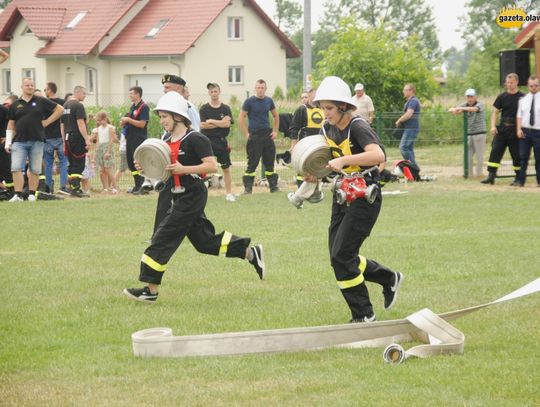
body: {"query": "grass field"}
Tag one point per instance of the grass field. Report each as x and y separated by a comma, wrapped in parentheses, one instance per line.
(65, 327)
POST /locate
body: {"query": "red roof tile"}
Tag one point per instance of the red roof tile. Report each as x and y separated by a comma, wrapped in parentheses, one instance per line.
(43, 21)
(102, 16)
(188, 20)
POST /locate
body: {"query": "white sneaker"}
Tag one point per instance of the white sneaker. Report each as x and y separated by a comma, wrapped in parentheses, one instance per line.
(32, 198)
(230, 198)
(16, 198)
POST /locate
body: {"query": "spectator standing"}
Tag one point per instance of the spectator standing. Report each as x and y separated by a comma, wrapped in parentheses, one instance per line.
(364, 104)
(105, 135)
(260, 136)
(186, 217)
(177, 84)
(54, 143)
(307, 121)
(77, 139)
(528, 130)
(216, 121)
(504, 135)
(6, 190)
(476, 130)
(410, 120)
(135, 125)
(123, 160)
(25, 134)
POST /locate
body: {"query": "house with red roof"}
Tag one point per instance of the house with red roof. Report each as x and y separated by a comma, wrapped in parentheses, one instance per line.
(109, 45)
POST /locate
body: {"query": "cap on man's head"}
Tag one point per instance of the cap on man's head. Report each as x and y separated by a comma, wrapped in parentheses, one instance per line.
(173, 79)
(211, 85)
(358, 86)
(470, 92)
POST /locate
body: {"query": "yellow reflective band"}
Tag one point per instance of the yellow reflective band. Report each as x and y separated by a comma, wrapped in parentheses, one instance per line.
(494, 165)
(42, 177)
(37, 194)
(363, 264)
(154, 265)
(75, 176)
(250, 174)
(351, 283)
(225, 240)
(516, 168)
(268, 173)
(9, 184)
(299, 178)
(135, 172)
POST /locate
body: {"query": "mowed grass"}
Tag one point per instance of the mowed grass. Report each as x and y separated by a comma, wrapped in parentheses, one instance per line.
(66, 328)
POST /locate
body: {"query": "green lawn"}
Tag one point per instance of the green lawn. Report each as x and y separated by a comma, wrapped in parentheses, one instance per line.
(65, 327)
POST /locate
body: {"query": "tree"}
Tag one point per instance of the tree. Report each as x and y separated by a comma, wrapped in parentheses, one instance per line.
(377, 58)
(4, 3)
(288, 16)
(479, 21)
(410, 19)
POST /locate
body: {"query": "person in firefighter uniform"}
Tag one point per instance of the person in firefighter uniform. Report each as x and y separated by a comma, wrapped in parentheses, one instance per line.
(307, 121)
(356, 148)
(186, 216)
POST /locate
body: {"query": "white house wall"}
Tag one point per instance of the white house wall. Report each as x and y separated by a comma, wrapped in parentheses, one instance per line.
(22, 56)
(260, 53)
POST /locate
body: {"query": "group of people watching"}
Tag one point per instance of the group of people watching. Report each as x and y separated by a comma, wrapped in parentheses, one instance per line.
(518, 130)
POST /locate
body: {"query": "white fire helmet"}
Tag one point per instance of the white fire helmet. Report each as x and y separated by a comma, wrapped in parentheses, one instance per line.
(335, 89)
(173, 102)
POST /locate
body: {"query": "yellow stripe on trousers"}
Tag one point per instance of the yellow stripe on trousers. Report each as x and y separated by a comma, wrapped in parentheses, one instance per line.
(154, 265)
(225, 240)
(358, 279)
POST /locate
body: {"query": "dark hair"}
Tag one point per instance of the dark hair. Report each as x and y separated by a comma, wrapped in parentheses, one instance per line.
(52, 86)
(68, 95)
(261, 81)
(136, 89)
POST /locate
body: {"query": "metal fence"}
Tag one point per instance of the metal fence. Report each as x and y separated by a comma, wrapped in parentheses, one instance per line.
(436, 129)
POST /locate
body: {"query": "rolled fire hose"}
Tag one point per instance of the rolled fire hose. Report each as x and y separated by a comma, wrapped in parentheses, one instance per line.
(160, 342)
(154, 155)
(311, 155)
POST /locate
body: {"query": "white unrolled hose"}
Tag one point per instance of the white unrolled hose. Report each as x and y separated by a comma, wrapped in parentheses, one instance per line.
(311, 155)
(305, 190)
(146, 344)
(154, 155)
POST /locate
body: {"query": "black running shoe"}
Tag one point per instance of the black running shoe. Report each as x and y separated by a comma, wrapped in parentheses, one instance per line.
(141, 294)
(79, 193)
(365, 318)
(258, 260)
(390, 292)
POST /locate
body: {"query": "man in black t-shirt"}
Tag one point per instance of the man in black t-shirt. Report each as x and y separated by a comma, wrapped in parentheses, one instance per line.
(135, 126)
(54, 142)
(504, 135)
(75, 133)
(25, 134)
(216, 120)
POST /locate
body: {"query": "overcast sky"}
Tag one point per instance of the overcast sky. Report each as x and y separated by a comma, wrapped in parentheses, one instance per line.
(446, 15)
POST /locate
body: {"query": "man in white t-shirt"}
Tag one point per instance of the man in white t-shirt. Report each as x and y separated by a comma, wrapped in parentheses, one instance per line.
(364, 104)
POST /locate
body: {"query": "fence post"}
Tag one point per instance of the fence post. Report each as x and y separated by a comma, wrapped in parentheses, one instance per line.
(465, 147)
